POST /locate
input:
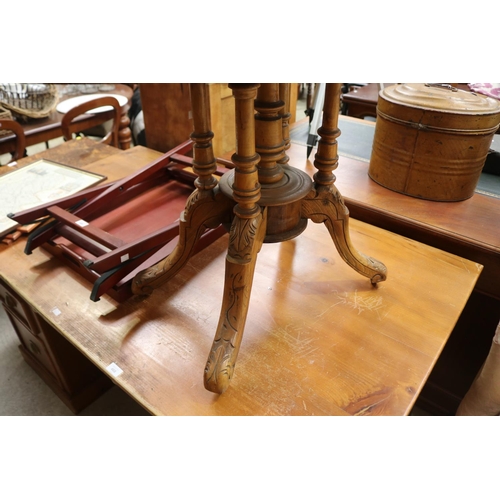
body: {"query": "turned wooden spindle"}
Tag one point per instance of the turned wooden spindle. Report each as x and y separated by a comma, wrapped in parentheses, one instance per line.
(326, 159)
(285, 89)
(124, 132)
(269, 141)
(205, 207)
(282, 186)
(204, 165)
(246, 187)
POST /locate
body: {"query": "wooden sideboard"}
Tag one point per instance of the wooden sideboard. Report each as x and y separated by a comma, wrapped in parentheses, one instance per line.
(362, 101)
(75, 379)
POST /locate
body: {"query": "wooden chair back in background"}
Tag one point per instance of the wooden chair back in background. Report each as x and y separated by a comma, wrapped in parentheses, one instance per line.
(17, 129)
(70, 126)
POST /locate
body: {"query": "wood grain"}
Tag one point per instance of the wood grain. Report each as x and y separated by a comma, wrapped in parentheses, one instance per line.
(319, 339)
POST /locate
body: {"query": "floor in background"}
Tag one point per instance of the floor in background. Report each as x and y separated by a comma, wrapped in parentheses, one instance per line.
(23, 392)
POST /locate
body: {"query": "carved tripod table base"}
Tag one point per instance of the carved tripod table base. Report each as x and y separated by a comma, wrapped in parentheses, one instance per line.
(263, 200)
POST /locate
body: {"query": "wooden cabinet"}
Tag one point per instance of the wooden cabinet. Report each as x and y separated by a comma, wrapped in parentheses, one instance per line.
(222, 118)
(168, 119)
(66, 370)
(167, 114)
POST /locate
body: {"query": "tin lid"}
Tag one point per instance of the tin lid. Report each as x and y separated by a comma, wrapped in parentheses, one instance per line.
(442, 97)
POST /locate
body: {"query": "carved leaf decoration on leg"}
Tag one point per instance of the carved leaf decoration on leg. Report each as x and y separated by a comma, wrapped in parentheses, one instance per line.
(219, 370)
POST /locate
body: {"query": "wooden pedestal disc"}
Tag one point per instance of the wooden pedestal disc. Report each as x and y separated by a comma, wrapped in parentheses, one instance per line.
(283, 199)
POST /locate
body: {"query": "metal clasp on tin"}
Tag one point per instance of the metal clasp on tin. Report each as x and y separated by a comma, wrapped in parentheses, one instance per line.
(444, 86)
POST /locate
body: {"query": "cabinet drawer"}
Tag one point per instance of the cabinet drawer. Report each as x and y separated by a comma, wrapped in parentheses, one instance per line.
(18, 307)
(33, 344)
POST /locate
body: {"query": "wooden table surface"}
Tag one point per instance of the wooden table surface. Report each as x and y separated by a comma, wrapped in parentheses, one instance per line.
(319, 339)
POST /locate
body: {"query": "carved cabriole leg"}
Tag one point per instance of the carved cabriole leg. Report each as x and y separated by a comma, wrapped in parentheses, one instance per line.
(245, 241)
(201, 213)
(205, 208)
(324, 204)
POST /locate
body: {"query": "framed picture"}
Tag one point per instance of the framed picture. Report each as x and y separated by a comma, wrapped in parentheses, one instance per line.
(41, 182)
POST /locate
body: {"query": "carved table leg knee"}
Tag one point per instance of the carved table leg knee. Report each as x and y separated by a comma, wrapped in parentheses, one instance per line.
(327, 206)
(201, 213)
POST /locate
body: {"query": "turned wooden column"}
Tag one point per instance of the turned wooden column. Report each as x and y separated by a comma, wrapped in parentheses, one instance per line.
(326, 159)
(204, 165)
(205, 208)
(269, 141)
(282, 186)
(246, 187)
(285, 120)
(124, 132)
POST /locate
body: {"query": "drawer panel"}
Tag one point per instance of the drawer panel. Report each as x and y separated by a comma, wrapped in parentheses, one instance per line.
(33, 344)
(17, 306)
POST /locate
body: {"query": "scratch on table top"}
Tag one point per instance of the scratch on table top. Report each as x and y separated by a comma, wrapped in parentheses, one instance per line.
(294, 337)
(269, 312)
(462, 263)
(466, 264)
(298, 338)
(359, 302)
